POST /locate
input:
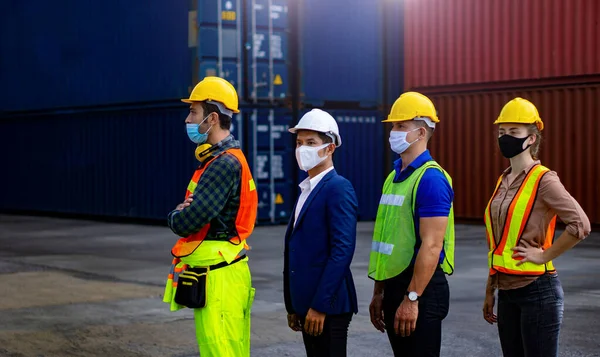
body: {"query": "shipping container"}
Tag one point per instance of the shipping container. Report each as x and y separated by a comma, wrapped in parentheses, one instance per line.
(451, 42)
(134, 162)
(84, 54)
(393, 76)
(120, 163)
(465, 142)
(392, 52)
(330, 48)
(270, 151)
(216, 34)
(267, 49)
(222, 48)
(87, 53)
(107, 75)
(361, 157)
(341, 51)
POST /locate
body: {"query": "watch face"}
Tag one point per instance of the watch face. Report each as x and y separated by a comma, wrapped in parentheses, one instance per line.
(412, 296)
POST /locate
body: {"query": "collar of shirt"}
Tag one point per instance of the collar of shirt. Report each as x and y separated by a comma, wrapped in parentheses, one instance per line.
(525, 170)
(418, 162)
(226, 144)
(520, 177)
(223, 145)
(310, 183)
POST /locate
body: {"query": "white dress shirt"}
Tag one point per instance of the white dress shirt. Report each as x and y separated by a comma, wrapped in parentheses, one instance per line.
(307, 186)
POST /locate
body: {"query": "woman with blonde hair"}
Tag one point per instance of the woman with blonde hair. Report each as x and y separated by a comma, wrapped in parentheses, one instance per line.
(520, 222)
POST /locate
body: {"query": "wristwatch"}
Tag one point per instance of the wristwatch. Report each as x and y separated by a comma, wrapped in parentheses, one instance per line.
(412, 296)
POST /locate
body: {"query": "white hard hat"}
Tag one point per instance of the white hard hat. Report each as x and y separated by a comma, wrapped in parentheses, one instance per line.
(320, 121)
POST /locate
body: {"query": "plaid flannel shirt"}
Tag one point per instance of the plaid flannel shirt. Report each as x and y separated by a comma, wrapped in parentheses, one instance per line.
(217, 194)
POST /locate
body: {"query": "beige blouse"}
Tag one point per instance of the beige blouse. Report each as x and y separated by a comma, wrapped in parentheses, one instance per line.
(552, 199)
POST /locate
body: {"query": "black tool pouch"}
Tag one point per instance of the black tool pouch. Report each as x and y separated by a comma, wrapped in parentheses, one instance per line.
(191, 288)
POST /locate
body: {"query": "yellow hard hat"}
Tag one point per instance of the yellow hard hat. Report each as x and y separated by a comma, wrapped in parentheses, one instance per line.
(520, 111)
(215, 89)
(413, 105)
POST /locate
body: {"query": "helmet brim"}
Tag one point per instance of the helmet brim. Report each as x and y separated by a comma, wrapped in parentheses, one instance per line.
(188, 101)
(338, 138)
(394, 120)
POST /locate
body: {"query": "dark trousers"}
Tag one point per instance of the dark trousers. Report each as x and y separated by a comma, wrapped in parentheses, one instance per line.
(332, 342)
(426, 340)
(529, 318)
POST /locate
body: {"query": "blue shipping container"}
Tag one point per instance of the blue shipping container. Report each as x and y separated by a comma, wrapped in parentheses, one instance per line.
(217, 38)
(267, 46)
(269, 148)
(341, 51)
(361, 157)
(88, 53)
(137, 163)
(133, 163)
(220, 46)
(125, 163)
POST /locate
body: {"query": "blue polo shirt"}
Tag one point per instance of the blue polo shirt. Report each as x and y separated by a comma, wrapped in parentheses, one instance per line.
(434, 194)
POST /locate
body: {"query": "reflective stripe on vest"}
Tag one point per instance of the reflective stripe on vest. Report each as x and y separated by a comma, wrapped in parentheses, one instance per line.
(500, 254)
(245, 219)
(394, 237)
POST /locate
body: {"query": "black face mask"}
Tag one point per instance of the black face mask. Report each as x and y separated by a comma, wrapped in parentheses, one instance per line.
(511, 146)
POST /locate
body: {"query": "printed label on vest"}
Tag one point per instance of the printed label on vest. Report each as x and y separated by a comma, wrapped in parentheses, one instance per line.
(392, 200)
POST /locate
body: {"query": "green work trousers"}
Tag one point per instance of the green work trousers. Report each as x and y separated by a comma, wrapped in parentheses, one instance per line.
(223, 326)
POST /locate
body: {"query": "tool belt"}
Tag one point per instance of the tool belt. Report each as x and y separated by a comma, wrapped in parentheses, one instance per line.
(191, 286)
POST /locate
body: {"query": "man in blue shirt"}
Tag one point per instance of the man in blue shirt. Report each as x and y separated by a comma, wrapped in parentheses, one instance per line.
(413, 242)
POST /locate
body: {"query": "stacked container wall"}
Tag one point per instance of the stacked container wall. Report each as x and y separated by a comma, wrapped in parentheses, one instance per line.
(267, 49)
(361, 157)
(270, 152)
(341, 51)
(85, 53)
(392, 51)
(102, 72)
(465, 143)
(451, 42)
(393, 65)
(126, 163)
(133, 163)
(217, 37)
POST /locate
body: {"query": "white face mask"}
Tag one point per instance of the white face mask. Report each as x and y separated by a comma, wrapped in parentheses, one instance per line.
(308, 156)
(398, 141)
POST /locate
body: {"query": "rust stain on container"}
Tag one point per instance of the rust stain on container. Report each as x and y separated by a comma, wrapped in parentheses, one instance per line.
(465, 143)
(450, 42)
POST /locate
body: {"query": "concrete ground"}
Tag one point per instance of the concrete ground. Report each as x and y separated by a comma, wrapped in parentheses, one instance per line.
(80, 288)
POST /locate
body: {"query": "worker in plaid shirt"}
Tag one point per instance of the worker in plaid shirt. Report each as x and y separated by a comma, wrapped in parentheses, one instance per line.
(210, 270)
(220, 181)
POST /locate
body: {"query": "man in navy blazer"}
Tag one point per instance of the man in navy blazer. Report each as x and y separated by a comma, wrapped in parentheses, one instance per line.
(319, 291)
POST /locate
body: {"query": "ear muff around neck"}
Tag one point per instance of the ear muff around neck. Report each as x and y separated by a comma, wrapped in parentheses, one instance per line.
(203, 151)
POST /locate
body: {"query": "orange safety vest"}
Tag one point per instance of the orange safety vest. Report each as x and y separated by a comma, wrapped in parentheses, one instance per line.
(246, 216)
(500, 255)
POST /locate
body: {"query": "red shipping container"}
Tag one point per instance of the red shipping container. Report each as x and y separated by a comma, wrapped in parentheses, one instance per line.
(465, 143)
(449, 42)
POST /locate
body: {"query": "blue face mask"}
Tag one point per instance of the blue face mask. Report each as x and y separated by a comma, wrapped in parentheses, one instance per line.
(193, 132)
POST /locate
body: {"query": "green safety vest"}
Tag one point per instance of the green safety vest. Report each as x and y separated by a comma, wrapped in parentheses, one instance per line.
(394, 238)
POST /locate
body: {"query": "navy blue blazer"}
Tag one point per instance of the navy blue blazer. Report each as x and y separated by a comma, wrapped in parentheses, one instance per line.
(319, 249)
